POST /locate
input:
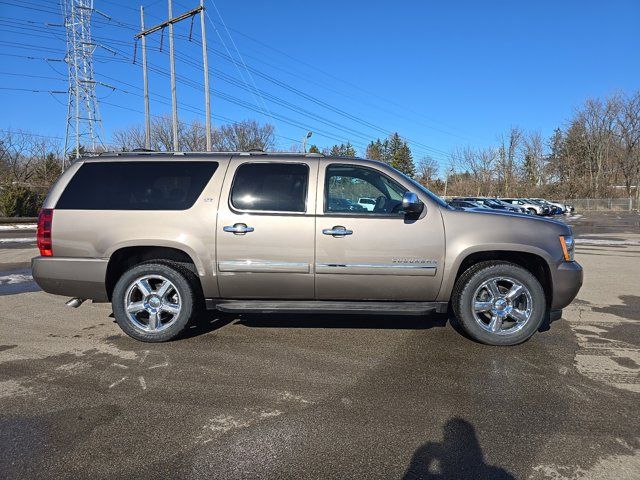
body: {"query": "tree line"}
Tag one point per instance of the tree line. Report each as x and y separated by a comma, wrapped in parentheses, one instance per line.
(594, 154)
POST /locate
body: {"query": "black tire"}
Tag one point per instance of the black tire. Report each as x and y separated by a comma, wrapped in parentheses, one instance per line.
(185, 285)
(462, 299)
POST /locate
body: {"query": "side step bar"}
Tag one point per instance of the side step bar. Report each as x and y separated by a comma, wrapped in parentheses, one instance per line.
(326, 306)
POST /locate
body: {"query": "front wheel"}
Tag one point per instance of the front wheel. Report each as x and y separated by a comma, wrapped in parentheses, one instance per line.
(499, 303)
(153, 302)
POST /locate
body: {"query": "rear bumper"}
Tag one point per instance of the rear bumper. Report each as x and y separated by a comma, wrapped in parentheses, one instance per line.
(73, 277)
(567, 280)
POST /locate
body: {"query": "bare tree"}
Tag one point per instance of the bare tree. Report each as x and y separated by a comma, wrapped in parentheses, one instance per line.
(427, 170)
(533, 162)
(628, 131)
(509, 147)
(241, 136)
(129, 138)
(244, 136)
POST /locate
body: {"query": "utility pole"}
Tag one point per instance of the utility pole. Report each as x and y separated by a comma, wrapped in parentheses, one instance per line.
(174, 100)
(169, 23)
(147, 120)
(205, 66)
(446, 180)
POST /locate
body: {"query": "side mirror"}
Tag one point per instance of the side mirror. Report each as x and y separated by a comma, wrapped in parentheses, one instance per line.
(411, 203)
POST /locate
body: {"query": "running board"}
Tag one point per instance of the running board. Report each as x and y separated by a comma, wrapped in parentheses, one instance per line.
(326, 306)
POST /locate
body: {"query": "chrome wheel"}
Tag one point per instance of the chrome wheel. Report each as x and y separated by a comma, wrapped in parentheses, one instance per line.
(152, 303)
(502, 305)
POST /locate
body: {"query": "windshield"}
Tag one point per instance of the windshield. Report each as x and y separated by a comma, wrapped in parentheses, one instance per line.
(425, 190)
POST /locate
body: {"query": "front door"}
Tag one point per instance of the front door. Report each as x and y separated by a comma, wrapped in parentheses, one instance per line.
(265, 229)
(366, 248)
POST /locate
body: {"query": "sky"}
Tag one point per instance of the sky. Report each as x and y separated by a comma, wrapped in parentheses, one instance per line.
(442, 74)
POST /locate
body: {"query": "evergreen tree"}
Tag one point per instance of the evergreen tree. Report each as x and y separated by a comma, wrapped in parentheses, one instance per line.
(72, 154)
(400, 155)
(343, 150)
(378, 150)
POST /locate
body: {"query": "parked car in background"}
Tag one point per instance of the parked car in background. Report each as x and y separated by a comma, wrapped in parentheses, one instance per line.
(520, 208)
(467, 205)
(546, 209)
(523, 203)
(553, 208)
(492, 203)
(368, 203)
(162, 236)
(347, 205)
(558, 206)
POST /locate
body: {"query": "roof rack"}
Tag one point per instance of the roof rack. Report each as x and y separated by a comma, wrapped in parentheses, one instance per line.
(142, 151)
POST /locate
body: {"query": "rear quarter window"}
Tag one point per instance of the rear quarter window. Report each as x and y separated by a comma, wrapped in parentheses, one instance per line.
(144, 185)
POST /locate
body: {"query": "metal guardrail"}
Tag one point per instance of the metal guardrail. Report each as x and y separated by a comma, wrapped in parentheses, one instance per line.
(10, 220)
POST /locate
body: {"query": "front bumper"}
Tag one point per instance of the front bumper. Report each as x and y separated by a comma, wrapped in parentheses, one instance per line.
(567, 280)
(73, 277)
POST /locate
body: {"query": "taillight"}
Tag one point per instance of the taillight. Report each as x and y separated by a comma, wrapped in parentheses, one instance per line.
(45, 219)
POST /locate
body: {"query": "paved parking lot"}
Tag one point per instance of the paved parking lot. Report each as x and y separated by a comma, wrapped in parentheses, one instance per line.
(325, 396)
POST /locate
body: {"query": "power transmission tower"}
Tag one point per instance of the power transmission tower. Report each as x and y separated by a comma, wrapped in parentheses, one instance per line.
(84, 127)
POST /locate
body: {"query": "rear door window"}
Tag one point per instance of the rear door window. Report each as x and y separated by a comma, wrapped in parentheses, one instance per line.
(146, 185)
(270, 187)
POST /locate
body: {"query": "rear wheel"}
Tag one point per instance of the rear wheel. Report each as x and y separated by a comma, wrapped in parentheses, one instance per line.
(499, 303)
(153, 302)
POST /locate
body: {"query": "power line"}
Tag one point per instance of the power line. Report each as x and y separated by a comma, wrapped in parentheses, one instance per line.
(277, 100)
(20, 132)
(31, 90)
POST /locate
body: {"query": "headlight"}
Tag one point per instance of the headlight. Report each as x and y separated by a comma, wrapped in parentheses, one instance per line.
(568, 247)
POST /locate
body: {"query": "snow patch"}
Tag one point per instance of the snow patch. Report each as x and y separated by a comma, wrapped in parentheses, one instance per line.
(18, 240)
(14, 278)
(598, 241)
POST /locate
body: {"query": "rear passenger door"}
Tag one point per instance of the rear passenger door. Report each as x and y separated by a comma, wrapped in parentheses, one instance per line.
(265, 229)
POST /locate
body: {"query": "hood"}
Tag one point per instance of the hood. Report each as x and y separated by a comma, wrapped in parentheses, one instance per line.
(505, 218)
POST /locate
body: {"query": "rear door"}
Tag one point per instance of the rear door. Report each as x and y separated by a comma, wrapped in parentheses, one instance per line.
(377, 254)
(265, 229)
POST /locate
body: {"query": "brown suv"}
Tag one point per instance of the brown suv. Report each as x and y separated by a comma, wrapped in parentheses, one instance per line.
(162, 235)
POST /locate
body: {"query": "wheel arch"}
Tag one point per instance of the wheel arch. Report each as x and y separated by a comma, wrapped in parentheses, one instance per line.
(126, 257)
(533, 262)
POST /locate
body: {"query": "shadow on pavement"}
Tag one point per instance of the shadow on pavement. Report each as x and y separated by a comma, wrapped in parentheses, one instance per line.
(212, 320)
(459, 456)
(354, 321)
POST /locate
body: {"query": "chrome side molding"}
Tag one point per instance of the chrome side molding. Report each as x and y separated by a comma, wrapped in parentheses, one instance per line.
(262, 266)
(377, 269)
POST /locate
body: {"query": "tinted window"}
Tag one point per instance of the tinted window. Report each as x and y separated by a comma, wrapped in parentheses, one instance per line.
(275, 187)
(136, 185)
(346, 185)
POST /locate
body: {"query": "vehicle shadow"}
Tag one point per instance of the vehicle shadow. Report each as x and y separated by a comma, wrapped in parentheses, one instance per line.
(212, 320)
(459, 456)
(351, 321)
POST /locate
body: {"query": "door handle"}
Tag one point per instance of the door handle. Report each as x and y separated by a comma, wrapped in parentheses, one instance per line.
(238, 228)
(337, 231)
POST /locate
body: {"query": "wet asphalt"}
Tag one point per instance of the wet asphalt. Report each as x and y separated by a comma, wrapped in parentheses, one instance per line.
(326, 397)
